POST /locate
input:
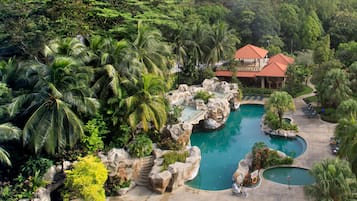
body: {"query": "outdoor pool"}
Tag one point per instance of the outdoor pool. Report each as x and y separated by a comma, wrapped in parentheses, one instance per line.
(289, 175)
(222, 149)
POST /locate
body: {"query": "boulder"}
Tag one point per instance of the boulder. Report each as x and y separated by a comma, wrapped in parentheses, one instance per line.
(42, 194)
(177, 173)
(211, 124)
(181, 132)
(160, 181)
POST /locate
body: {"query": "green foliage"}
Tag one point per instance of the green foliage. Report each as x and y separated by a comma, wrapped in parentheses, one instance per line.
(348, 109)
(279, 103)
(297, 79)
(203, 95)
(171, 157)
(23, 188)
(263, 157)
(332, 93)
(86, 180)
(329, 114)
(174, 114)
(140, 146)
(34, 165)
(346, 132)
(114, 184)
(273, 159)
(94, 131)
(167, 143)
(346, 52)
(334, 180)
(122, 138)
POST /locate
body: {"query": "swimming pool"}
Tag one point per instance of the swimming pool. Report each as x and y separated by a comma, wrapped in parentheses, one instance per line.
(289, 175)
(221, 150)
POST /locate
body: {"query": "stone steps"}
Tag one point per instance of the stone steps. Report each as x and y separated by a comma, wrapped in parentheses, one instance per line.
(143, 178)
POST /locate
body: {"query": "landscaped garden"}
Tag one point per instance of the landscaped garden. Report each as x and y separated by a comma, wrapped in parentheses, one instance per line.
(99, 96)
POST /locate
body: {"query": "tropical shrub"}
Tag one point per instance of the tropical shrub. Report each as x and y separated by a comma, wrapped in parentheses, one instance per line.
(204, 95)
(168, 143)
(334, 180)
(94, 131)
(24, 187)
(34, 165)
(273, 159)
(86, 180)
(121, 139)
(140, 146)
(248, 91)
(114, 184)
(263, 157)
(172, 157)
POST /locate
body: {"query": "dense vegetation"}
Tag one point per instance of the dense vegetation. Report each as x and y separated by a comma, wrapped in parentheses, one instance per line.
(81, 76)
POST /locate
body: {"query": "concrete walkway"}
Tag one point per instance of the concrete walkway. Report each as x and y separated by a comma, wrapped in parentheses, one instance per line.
(316, 133)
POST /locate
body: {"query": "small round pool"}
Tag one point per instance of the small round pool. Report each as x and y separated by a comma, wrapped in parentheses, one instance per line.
(289, 175)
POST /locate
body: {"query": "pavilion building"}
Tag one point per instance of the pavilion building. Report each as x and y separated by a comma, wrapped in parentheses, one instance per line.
(254, 66)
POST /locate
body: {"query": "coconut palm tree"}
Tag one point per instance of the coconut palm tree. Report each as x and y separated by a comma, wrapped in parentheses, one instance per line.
(222, 43)
(52, 108)
(7, 132)
(333, 181)
(346, 132)
(348, 109)
(280, 102)
(145, 103)
(335, 87)
(148, 51)
(69, 47)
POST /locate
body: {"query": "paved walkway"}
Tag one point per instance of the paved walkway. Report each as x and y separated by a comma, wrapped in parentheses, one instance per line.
(316, 133)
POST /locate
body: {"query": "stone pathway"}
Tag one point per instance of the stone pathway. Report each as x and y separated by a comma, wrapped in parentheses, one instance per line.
(316, 133)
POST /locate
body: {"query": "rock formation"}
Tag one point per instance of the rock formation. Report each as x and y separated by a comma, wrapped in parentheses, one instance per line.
(177, 173)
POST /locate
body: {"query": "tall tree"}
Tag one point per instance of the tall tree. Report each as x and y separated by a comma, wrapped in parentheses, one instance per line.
(149, 51)
(280, 102)
(222, 44)
(335, 87)
(334, 181)
(311, 30)
(145, 104)
(51, 110)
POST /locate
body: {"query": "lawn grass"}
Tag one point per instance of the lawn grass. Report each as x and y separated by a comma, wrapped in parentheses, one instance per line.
(306, 90)
(310, 99)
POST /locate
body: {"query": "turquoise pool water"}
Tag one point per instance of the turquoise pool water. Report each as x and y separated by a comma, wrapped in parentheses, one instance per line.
(221, 150)
(289, 175)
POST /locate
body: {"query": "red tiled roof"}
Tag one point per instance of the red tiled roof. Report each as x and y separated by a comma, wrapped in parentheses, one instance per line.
(246, 74)
(281, 58)
(273, 70)
(227, 73)
(223, 73)
(250, 52)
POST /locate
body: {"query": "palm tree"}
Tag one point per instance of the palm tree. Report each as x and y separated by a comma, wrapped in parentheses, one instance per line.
(149, 52)
(346, 132)
(145, 103)
(222, 43)
(335, 87)
(348, 109)
(333, 181)
(52, 109)
(69, 47)
(7, 132)
(280, 102)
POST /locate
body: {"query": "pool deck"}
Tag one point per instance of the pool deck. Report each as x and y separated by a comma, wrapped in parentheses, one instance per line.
(316, 133)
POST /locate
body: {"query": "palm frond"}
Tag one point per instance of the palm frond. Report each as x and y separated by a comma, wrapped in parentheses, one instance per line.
(4, 157)
(9, 132)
